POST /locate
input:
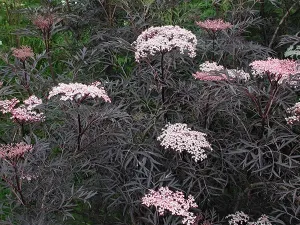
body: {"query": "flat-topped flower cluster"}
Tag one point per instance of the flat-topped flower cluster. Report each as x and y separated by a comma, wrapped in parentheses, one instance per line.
(214, 25)
(278, 70)
(295, 114)
(43, 22)
(14, 151)
(181, 138)
(78, 92)
(165, 199)
(22, 53)
(25, 112)
(211, 71)
(164, 39)
(241, 218)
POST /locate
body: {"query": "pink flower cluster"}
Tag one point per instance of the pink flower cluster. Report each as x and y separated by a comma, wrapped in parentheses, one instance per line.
(164, 39)
(32, 102)
(7, 106)
(214, 25)
(181, 138)
(208, 77)
(278, 70)
(78, 92)
(241, 218)
(14, 151)
(165, 199)
(295, 112)
(210, 71)
(44, 23)
(24, 113)
(22, 53)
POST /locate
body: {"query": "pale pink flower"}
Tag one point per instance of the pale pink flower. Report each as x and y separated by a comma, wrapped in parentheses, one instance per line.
(22, 53)
(181, 138)
(32, 102)
(14, 151)
(7, 106)
(214, 25)
(238, 218)
(295, 114)
(208, 77)
(239, 74)
(78, 92)
(210, 66)
(24, 113)
(210, 71)
(164, 39)
(263, 220)
(241, 218)
(278, 70)
(165, 199)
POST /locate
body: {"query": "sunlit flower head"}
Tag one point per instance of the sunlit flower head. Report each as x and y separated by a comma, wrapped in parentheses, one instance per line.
(181, 138)
(22, 53)
(214, 25)
(166, 200)
(164, 39)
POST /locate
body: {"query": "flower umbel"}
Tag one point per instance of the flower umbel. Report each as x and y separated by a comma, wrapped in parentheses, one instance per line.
(44, 23)
(78, 92)
(181, 138)
(22, 53)
(165, 199)
(24, 113)
(210, 71)
(214, 25)
(164, 39)
(240, 218)
(14, 151)
(278, 70)
(7, 106)
(295, 114)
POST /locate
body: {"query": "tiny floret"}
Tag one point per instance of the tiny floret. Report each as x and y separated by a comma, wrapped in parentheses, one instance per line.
(174, 202)
(78, 92)
(164, 39)
(214, 25)
(181, 138)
